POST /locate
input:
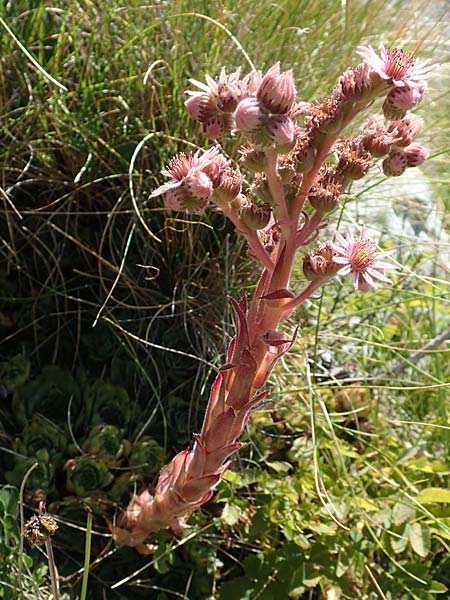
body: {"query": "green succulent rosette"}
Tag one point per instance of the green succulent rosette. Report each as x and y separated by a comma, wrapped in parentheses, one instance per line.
(42, 434)
(147, 457)
(14, 372)
(40, 478)
(107, 404)
(106, 442)
(49, 395)
(87, 475)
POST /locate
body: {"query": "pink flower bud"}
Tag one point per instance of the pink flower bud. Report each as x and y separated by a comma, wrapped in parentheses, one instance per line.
(395, 164)
(391, 113)
(406, 97)
(277, 90)
(213, 127)
(281, 130)
(195, 105)
(416, 154)
(248, 115)
(406, 130)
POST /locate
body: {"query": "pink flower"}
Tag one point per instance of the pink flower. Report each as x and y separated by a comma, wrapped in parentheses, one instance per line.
(396, 67)
(191, 180)
(360, 257)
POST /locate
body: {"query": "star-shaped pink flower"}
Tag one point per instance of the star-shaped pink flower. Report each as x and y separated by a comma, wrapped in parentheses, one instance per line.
(359, 256)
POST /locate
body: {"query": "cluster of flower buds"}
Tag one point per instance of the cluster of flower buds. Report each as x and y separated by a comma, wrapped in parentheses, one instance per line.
(294, 153)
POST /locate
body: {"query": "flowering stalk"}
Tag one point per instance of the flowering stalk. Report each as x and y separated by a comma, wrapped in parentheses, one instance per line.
(290, 150)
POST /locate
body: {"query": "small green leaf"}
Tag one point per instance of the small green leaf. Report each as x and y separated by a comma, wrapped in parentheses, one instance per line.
(433, 494)
(398, 544)
(230, 514)
(9, 497)
(402, 513)
(438, 588)
(420, 539)
(364, 504)
(279, 466)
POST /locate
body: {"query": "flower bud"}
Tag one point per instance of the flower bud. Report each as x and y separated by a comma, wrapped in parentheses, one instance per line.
(277, 91)
(281, 130)
(395, 164)
(406, 97)
(392, 113)
(406, 130)
(248, 115)
(213, 127)
(256, 216)
(199, 107)
(416, 154)
(303, 154)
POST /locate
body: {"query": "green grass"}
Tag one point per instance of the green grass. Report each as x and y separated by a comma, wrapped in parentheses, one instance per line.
(332, 485)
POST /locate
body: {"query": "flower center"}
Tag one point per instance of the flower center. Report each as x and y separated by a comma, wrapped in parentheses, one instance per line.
(398, 64)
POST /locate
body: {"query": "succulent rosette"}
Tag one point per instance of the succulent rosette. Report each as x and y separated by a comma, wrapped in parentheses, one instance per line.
(50, 396)
(41, 478)
(14, 372)
(87, 475)
(42, 434)
(106, 442)
(147, 457)
(108, 404)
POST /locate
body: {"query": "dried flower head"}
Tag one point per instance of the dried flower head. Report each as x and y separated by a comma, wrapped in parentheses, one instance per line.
(359, 256)
(256, 216)
(354, 160)
(325, 193)
(396, 67)
(230, 186)
(39, 529)
(355, 84)
(376, 138)
(320, 263)
(254, 159)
